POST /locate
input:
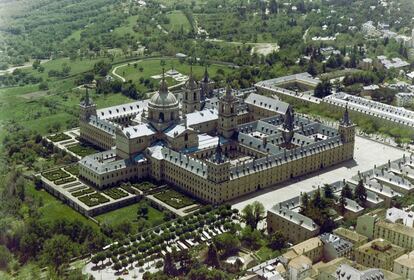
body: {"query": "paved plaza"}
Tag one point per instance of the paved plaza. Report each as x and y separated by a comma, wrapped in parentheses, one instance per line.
(367, 154)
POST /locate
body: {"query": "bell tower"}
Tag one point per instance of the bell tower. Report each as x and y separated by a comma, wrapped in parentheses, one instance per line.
(206, 86)
(191, 98)
(227, 114)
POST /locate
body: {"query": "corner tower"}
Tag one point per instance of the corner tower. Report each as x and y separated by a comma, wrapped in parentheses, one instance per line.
(87, 108)
(227, 114)
(218, 167)
(347, 132)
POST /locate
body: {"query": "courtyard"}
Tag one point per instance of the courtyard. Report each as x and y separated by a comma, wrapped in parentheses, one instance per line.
(367, 154)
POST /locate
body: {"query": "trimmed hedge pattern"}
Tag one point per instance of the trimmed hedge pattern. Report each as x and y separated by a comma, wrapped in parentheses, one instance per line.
(115, 193)
(93, 199)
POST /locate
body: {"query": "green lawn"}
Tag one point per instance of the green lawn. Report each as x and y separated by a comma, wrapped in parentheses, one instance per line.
(265, 253)
(153, 67)
(177, 20)
(76, 66)
(127, 27)
(129, 213)
(53, 209)
(28, 107)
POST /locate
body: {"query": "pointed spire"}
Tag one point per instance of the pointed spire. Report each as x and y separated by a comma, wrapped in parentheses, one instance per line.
(191, 81)
(205, 79)
(228, 90)
(87, 97)
(345, 118)
(218, 157)
(163, 83)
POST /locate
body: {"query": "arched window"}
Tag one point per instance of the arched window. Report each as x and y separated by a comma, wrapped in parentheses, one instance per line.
(161, 119)
(186, 96)
(194, 96)
(186, 137)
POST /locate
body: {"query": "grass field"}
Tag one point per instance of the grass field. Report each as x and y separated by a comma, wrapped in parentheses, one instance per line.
(129, 213)
(58, 106)
(76, 66)
(53, 208)
(153, 67)
(127, 27)
(177, 20)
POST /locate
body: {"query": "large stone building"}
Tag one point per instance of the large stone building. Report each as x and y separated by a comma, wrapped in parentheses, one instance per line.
(378, 253)
(215, 146)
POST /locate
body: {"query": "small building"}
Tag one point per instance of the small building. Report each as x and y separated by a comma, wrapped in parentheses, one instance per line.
(352, 236)
(299, 268)
(311, 248)
(404, 99)
(348, 272)
(294, 226)
(378, 253)
(335, 247)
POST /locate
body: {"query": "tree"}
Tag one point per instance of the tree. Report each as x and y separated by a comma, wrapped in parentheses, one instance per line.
(227, 244)
(95, 259)
(342, 202)
(43, 86)
(324, 88)
(347, 192)
(328, 192)
(277, 241)
(142, 211)
(305, 202)
(169, 266)
(102, 68)
(212, 256)
(273, 7)
(117, 266)
(312, 69)
(251, 237)
(253, 213)
(317, 199)
(5, 258)
(58, 250)
(360, 193)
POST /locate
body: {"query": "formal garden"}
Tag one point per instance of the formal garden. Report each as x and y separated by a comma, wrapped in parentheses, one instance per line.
(145, 186)
(65, 180)
(115, 193)
(55, 175)
(72, 169)
(94, 199)
(83, 191)
(174, 198)
(59, 137)
(82, 150)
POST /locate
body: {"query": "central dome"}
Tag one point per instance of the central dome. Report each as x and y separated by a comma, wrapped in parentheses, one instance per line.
(163, 107)
(163, 98)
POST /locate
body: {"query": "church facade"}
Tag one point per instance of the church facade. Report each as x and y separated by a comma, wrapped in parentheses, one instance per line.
(215, 145)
